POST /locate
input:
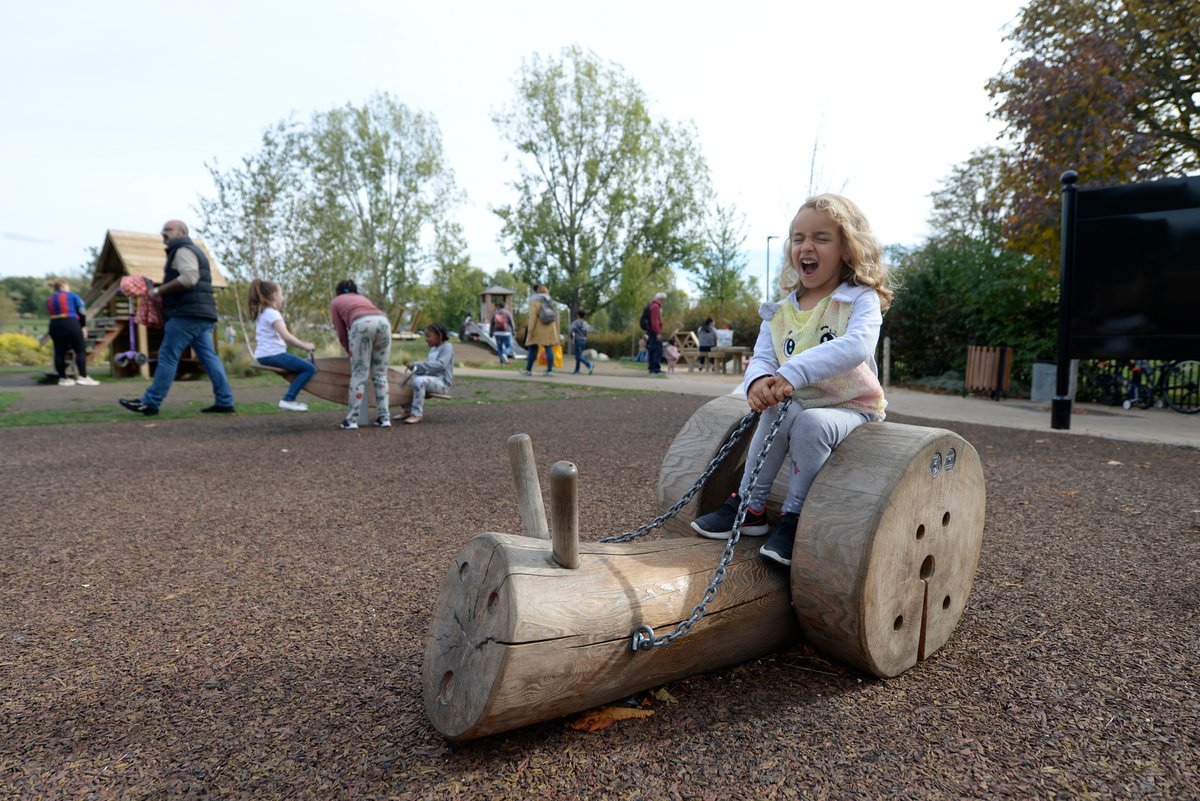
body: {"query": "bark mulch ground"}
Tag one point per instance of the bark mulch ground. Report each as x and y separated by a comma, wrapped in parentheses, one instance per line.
(238, 607)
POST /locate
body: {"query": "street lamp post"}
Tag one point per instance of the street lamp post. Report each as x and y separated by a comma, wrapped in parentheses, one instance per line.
(769, 238)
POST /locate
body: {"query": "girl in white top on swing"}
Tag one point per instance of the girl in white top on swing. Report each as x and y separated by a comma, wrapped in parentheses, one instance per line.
(816, 346)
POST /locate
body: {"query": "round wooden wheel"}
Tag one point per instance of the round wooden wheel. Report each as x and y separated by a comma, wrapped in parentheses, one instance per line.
(888, 541)
(887, 546)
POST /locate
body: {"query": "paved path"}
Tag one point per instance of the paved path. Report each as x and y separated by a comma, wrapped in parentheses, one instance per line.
(1161, 426)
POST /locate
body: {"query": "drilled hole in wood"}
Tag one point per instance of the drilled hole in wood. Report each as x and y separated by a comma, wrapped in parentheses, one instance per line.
(493, 599)
(462, 571)
(946, 602)
(446, 690)
(898, 623)
(945, 519)
(920, 531)
(927, 567)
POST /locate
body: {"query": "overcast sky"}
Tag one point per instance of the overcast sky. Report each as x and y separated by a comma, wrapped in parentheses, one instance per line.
(111, 110)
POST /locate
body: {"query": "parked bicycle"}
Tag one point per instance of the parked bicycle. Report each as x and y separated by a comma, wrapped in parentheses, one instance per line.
(1176, 384)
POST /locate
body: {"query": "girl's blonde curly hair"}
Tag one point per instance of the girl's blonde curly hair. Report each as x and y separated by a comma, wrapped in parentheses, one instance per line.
(865, 267)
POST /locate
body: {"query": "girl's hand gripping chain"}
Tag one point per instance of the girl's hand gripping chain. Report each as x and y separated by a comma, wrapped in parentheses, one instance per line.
(782, 388)
(761, 395)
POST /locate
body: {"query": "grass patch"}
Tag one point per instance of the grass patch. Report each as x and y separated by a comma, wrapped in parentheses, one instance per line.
(257, 396)
(116, 414)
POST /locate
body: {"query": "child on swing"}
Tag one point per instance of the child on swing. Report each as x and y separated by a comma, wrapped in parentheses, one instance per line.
(271, 338)
(816, 346)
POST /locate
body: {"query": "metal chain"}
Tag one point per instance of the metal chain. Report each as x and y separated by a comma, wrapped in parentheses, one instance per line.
(644, 638)
(661, 520)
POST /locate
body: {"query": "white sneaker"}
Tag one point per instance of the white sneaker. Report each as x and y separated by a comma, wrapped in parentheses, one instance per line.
(87, 381)
(66, 382)
(293, 406)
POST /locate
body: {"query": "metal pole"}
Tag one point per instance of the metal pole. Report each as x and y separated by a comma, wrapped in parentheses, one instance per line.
(1060, 406)
(768, 287)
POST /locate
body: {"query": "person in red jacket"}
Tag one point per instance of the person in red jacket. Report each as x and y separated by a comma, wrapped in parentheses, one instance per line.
(654, 343)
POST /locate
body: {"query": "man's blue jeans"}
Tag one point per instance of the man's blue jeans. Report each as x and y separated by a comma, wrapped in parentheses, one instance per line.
(303, 368)
(179, 334)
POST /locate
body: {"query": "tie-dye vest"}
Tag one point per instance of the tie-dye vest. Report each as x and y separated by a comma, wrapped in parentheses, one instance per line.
(794, 331)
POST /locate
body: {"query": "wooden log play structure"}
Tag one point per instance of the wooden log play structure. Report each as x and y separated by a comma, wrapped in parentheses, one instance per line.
(527, 628)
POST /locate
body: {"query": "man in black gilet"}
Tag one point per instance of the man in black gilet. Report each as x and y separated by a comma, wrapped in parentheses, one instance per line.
(191, 314)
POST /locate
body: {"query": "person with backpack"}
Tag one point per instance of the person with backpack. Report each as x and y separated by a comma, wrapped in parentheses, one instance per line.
(578, 332)
(652, 323)
(501, 330)
(542, 329)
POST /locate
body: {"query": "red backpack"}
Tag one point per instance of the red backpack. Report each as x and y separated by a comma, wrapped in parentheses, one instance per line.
(500, 322)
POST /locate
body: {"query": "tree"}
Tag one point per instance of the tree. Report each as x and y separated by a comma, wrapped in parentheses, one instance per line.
(382, 195)
(602, 188)
(720, 270)
(972, 201)
(256, 223)
(359, 193)
(1105, 87)
(453, 292)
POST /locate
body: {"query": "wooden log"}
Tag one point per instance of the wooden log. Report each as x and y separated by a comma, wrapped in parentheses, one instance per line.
(529, 489)
(885, 556)
(887, 546)
(515, 639)
(564, 514)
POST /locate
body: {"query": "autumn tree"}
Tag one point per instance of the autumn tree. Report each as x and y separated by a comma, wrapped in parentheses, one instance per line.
(1105, 87)
(603, 190)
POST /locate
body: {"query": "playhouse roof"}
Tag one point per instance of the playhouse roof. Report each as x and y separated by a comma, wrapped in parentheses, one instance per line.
(496, 290)
(131, 253)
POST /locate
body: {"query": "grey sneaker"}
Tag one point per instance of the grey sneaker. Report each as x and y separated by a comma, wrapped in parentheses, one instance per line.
(779, 547)
(348, 425)
(383, 422)
(718, 525)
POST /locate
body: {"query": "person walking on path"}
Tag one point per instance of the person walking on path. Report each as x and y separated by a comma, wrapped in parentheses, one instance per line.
(190, 310)
(654, 343)
(500, 329)
(68, 319)
(271, 338)
(578, 333)
(542, 329)
(366, 335)
(435, 374)
(816, 348)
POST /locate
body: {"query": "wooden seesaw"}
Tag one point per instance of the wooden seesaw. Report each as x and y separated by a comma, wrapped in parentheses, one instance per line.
(332, 383)
(885, 556)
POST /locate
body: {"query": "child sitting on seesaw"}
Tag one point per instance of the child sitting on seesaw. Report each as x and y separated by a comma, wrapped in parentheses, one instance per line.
(432, 375)
(271, 338)
(816, 346)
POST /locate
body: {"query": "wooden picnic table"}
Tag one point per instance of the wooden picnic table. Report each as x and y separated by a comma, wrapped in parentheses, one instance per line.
(718, 359)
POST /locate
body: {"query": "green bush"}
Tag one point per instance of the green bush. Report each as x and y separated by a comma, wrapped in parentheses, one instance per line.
(963, 291)
(24, 351)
